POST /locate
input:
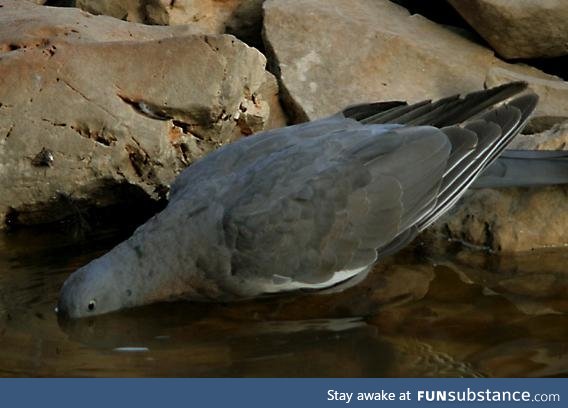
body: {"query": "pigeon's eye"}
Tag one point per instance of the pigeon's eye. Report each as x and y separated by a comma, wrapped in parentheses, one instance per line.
(91, 305)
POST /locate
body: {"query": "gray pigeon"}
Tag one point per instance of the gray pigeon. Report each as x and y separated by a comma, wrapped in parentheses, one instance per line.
(306, 207)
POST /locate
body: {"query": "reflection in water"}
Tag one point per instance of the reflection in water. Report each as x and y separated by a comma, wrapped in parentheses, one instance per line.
(479, 316)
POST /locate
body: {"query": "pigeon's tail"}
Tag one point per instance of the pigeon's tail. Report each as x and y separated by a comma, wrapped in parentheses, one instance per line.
(526, 168)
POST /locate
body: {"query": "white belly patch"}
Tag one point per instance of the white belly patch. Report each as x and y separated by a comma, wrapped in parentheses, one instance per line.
(284, 283)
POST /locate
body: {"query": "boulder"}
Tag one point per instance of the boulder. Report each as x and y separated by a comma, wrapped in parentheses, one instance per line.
(332, 53)
(242, 18)
(25, 25)
(129, 10)
(93, 107)
(520, 28)
(555, 138)
(508, 220)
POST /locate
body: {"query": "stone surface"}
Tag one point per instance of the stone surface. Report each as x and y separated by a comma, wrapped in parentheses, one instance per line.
(519, 28)
(25, 25)
(243, 18)
(332, 53)
(508, 220)
(555, 138)
(91, 106)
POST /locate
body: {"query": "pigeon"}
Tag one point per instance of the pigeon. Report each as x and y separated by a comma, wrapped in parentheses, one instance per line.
(309, 207)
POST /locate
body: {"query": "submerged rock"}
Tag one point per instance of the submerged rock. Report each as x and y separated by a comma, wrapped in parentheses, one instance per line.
(535, 282)
(460, 329)
(332, 53)
(520, 28)
(115, 104)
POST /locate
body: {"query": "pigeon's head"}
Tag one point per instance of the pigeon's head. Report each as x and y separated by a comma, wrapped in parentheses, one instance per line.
(92, 290)
(133, 274)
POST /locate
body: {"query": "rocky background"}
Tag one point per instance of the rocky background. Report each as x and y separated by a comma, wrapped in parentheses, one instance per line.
(104, 102)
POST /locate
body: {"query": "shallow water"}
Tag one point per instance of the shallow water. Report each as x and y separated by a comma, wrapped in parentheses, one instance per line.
(482, 316)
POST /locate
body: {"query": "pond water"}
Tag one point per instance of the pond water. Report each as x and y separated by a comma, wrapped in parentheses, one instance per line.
(481, 316)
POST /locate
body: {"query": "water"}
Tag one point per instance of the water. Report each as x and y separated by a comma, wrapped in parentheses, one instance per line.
(482, 316)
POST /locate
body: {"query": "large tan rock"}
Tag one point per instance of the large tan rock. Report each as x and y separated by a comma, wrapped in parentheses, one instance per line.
(89, 104)
(519, 28)
(243, 18)
(508, 220)
(25, 25)
(332, 53)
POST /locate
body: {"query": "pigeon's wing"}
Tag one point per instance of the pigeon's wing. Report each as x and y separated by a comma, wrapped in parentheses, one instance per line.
(445, 112)
(318, 212)
(485, 122)
(322, 212)
(233, 157)
(364, 111)
(494, 129)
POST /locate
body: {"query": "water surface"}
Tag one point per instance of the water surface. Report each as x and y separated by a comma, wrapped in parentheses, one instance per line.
(482, 316)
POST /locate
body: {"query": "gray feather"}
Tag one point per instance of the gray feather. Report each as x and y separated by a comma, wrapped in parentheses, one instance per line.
(517, 168)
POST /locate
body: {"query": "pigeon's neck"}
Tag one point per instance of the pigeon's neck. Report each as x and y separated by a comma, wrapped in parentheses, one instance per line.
(166, 260)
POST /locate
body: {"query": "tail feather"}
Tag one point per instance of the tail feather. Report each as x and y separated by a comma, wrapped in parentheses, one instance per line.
(525, 168)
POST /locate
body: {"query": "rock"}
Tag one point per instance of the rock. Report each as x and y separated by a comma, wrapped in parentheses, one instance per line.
(508, 220)
(112, 106)
(25, 25)
(552, 107)
(129, 10)
(332, 53)
(521, 28)
(242, 18)
(555, 138)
